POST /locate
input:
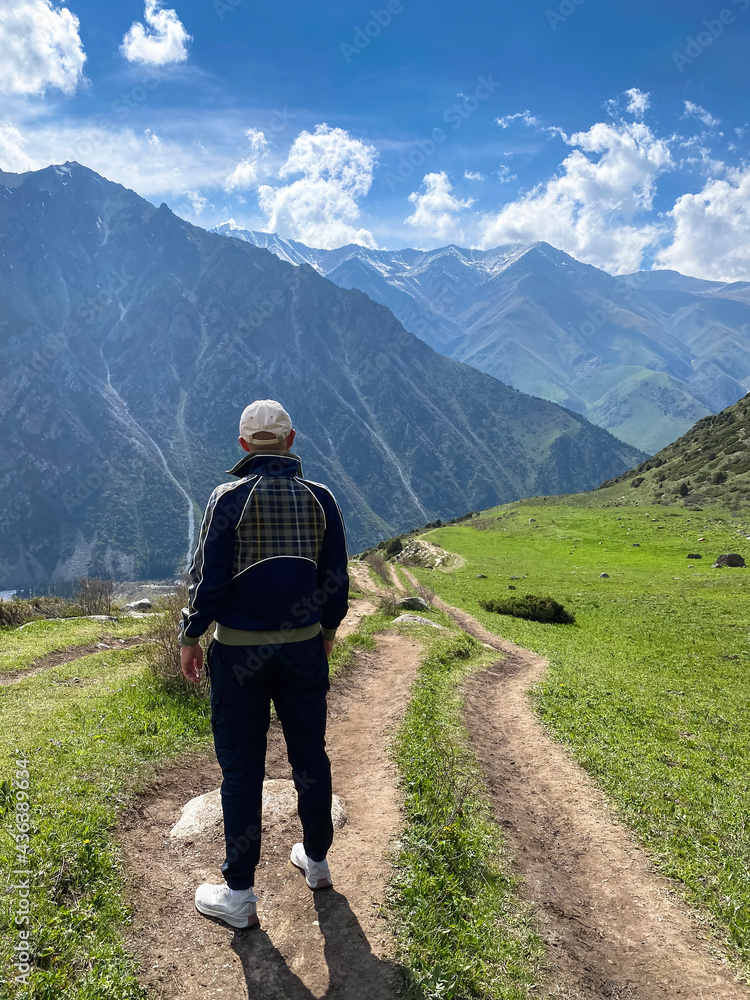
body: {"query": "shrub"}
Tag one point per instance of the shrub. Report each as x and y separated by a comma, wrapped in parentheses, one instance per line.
(719, 478)
(94, 596)
(388, 602)
(18, 611)
(392, 547)
(377, 562)
(532, 608)
(163, 652)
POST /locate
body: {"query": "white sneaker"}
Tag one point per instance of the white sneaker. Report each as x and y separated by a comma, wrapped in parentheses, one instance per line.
(317, 874)
(218, 901)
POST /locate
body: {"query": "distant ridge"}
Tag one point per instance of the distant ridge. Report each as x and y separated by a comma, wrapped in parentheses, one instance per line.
(644, 355)
(131, 340)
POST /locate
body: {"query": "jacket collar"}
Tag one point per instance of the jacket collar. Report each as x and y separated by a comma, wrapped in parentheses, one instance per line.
(267, 463)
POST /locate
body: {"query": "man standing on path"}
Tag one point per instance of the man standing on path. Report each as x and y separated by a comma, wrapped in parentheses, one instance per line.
(270, 570)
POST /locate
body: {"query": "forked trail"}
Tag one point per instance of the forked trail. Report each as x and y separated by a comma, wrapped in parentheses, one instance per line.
(613, 926)
(329, 944)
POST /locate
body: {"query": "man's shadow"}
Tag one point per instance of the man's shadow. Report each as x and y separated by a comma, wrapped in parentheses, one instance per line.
(353, 970)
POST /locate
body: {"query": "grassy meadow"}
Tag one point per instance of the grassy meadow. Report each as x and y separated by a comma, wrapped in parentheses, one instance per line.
(650, 686)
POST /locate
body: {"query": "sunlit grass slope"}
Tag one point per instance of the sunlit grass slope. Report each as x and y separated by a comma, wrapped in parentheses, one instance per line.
(650, 687)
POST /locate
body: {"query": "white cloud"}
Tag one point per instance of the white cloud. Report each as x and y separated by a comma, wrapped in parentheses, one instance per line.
(712, 230)
(39, 48)
(13, 155)
(164, 169)
(436, 208)
(590, 208)
(638, 102)
(504, 175)
(197, 201)
(473, 175)
(320, 207)
(163, 42)
(245, 175)
(696, 111)
(526, 118)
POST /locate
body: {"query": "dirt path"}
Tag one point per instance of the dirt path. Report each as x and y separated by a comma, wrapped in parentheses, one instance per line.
(330, 944)
(59, 657)
(614, 927)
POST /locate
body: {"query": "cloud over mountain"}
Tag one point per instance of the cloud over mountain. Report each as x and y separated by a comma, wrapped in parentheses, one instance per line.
(40, 48)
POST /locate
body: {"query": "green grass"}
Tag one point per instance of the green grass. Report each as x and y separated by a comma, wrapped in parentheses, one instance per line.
(93, 731)
(650, 687)
(19, 647)
(461, 929)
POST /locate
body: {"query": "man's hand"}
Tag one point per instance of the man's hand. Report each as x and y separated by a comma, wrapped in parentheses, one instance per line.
(191, 662)
(328, 647)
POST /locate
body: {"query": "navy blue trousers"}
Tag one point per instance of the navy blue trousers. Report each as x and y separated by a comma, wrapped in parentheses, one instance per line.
(244, 682)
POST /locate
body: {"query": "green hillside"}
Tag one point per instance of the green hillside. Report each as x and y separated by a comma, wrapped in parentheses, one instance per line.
(709, 466)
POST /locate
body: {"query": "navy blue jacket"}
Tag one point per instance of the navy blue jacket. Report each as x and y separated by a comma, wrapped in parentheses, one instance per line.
(271, 555)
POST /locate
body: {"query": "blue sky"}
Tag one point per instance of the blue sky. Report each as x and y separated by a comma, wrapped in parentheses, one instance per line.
(617, 131)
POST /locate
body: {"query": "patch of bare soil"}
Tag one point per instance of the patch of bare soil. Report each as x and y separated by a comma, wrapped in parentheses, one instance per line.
(334, 943)
(56, 659)
(614, 927)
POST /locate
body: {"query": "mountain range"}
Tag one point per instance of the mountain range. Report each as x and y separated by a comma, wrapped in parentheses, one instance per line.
(644, 355)
(130, 341)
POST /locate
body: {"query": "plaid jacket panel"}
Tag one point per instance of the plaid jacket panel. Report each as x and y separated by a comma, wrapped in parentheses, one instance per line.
(281, 518)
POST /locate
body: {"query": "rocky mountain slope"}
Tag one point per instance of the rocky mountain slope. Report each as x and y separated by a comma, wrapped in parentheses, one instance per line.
(131, 340)
(645, 355)
(708, 465)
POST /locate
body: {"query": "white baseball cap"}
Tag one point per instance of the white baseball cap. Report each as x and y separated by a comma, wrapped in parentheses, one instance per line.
(265, 415)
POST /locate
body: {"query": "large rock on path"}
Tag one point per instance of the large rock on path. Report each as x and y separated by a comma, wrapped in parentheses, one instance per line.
(203, 813)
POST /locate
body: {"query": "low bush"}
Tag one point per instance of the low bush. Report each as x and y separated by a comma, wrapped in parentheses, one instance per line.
(388, 602)
(94, 596)
(532, 608)
(377, 563)
(18, 611)
(163, 652)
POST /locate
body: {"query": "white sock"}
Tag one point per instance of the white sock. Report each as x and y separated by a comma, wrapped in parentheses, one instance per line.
(241, 893)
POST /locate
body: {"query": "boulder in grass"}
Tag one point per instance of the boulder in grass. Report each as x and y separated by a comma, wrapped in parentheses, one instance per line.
(415, 620)
(604, 576)
(202, 815)
(143, 605)
(413, 604)
(730, 559)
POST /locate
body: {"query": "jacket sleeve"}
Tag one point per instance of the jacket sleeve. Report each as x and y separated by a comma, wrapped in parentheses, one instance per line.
(211, 569)
(333, 579)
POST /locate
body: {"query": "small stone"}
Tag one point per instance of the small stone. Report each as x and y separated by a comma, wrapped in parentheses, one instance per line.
(604, 576)
(701, 539)
(511, 587)
(480, 576)
(415, 620)
(532, 520)
(636, 545)
(694, 555)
